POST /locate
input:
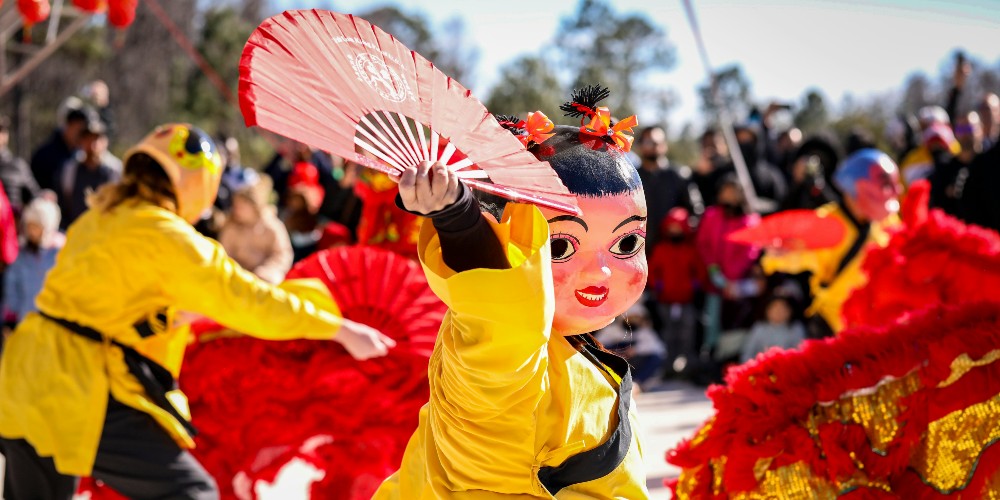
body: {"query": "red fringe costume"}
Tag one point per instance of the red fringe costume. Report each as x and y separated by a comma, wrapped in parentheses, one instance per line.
(910, 409)
(933, 258)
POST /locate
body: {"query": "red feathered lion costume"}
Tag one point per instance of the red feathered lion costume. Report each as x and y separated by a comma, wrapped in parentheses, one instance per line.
(910, 409)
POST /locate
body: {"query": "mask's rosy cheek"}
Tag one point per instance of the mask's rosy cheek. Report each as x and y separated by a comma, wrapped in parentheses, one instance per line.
(637, 278)
(559, 276)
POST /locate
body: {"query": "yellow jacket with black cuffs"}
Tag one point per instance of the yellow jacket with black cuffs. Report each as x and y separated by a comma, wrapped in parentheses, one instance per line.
(836, 271)
(118, 269)
(514, 411)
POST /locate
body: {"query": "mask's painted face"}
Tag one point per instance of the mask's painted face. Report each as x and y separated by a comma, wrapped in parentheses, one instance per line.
(598, 262)
(878, 195)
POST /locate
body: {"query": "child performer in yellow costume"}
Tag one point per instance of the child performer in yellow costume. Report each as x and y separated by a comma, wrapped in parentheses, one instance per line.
(87, 384)
(524, 403)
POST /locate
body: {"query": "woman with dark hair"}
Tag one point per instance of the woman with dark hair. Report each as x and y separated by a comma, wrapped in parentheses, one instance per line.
(524, 401)
(87, 383)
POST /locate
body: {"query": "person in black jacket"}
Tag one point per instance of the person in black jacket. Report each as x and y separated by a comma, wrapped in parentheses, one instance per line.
(768, 183)
(949, 179)
(979, 203)
(59, 149)
(665, 185)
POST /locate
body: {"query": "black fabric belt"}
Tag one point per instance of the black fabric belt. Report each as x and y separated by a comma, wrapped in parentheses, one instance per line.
(607, 456)
(155, 379)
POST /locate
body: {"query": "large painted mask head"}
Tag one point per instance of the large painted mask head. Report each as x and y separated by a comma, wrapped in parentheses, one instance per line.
(869, 180)
(598, 262)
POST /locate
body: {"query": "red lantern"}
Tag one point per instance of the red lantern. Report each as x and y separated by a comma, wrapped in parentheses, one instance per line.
(91, 6)
(33, 11)
(121, 13)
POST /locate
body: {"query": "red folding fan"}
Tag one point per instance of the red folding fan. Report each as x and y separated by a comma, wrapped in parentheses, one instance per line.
(381, 289)
(792, 230)
(340, 84)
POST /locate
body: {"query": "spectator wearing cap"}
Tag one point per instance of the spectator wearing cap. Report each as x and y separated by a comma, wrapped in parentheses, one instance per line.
(304, 195)
(41, 242)
(938, 147)
(253, 235)
(676, 271)
(83, 175)
(61, 148)
(18, 183)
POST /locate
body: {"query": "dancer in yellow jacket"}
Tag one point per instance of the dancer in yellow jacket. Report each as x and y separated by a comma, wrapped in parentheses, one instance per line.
(524, 403)
(869, 183)
(87, 384)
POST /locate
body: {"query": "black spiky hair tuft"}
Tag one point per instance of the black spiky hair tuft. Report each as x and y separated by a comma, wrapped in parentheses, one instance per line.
(584, 101)
(510, 122)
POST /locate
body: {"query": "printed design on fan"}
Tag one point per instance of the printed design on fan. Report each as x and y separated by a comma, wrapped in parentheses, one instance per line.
(377, 74)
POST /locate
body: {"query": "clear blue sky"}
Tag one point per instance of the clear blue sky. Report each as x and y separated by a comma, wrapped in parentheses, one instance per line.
(864, 48)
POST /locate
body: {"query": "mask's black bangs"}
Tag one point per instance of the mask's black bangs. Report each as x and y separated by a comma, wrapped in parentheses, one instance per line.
(586, 165)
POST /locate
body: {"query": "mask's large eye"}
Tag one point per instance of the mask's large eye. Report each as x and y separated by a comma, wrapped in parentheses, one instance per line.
(563, 247)
(198, 142)
(628, 245)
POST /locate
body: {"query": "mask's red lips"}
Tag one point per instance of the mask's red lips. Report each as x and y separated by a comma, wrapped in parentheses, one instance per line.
(592, 296)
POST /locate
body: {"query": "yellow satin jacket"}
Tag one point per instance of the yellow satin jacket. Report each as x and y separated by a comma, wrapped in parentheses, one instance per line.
(117, 269)
(831, 289)
(507, 398)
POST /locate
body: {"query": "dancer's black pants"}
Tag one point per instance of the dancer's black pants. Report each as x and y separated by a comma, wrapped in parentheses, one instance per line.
(136, 457)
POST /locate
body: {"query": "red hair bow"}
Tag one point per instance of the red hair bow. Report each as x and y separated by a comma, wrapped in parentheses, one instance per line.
(600, 125)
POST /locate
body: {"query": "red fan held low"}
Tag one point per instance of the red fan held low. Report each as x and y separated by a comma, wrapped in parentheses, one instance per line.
(340, 84)
(792, 230)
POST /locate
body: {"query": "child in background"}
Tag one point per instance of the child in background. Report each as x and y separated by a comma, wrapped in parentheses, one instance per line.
(778, 329)
(675, 271)
(252, 235)
(632, 336)
(41, 242)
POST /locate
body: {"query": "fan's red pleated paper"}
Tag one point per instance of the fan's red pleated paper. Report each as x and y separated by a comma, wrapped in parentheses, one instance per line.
(381, 289)
(793, 230)
(340, 84)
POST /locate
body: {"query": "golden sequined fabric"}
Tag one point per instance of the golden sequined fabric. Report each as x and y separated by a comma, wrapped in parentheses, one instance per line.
(946, 460)
(954, 444)
(875, 410)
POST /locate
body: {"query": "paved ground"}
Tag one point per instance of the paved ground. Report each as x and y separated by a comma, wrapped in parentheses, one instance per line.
(669, 413)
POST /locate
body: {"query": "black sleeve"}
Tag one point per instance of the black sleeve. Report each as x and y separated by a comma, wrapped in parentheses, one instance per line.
(467, 240)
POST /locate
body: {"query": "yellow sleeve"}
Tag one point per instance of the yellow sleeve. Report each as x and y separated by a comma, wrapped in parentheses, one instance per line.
(198, 275)
(493, 341)
(791, 262)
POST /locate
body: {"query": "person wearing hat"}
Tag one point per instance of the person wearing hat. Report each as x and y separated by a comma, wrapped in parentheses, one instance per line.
(676, 271)
(253, 235)
(869, 183)
(87, 383)
(301, 213)
(84, 174)
(524, 402)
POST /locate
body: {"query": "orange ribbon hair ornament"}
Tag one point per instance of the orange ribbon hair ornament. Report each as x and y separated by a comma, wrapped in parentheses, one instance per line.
(537, 128)
(600, 125)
